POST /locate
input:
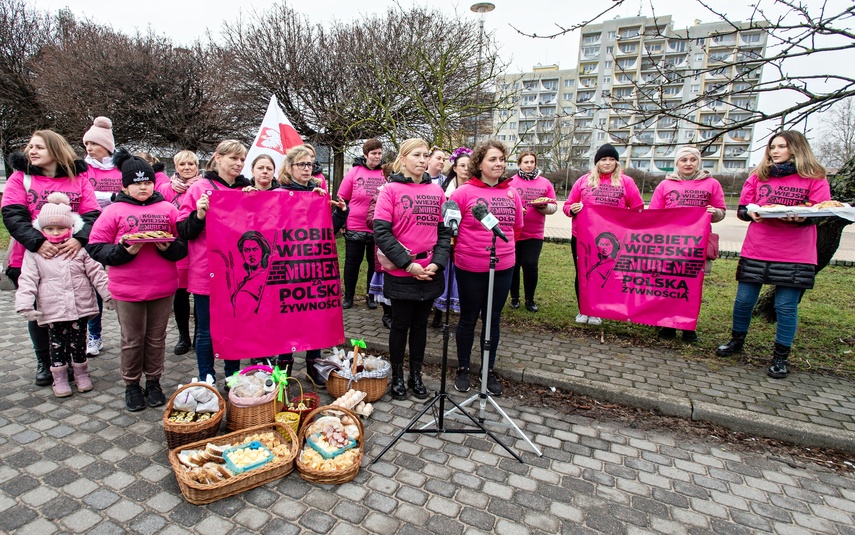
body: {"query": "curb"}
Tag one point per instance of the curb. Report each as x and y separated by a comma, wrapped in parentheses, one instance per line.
(752, 423)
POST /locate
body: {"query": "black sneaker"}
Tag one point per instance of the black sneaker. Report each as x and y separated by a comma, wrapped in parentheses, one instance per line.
(153, 393)
(494, 388)
(134, 398)
(461, 383)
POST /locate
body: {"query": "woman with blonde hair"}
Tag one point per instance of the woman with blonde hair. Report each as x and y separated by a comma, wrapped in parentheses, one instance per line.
(224, 174)
(604, 185)
(173, 190)
(777, 251)
(409, 231)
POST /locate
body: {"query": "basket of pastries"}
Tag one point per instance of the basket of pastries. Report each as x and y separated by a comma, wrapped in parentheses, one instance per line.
(212, 469)
(253, 398)
(194, 412)
(331, 446)
(354, 370)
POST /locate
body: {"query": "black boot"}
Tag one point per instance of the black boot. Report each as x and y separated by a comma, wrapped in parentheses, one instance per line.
(183, 345)
(737, 340)
(778, 368)
(415, 382)
(43, 375)
(347, 303)
(399, 389)
(437, 319)
(314, 374)
(370, 302)
(387, 316)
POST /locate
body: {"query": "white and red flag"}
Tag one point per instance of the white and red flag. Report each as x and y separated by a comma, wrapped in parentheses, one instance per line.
(274, 138)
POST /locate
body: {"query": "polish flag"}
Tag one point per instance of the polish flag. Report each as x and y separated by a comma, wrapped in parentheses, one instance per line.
(275, 136)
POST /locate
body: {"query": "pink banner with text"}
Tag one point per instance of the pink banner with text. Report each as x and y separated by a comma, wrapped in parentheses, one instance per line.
(275, 284)
(642, 267)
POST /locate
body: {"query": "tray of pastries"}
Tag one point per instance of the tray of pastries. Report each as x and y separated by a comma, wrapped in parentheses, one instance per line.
(153, 236)
(821, 209)
(540, 201)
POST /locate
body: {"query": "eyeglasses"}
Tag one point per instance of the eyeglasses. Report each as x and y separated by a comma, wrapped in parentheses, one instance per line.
(302, 165)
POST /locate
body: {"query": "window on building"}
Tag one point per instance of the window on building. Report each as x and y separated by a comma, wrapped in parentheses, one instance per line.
(672, 90)
(688, 134)
(591, 38)
(513, 125)
(607, 79)
(512, 137)
(550, 84)
(709, 163)
(601, 135)
(751, 37)
(502, 137)
(700, 41)
(569, 83)
(629, 48)
(607, 64)
(567, 96)
(696, 88)
(699, 57)
(590, 50)
(610, 50)
(611, 35)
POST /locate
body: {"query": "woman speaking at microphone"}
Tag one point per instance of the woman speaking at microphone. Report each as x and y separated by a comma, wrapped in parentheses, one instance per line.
(472, 259)
(414, 247)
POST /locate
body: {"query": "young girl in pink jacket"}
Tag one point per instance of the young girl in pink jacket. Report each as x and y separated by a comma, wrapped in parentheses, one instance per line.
(143, 276)
(56, 291)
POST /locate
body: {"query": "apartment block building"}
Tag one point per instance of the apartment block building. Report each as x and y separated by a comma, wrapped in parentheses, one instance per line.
(630, 67)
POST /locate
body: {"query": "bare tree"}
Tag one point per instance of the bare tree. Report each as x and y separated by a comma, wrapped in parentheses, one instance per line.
(836, 143)
(23, 34)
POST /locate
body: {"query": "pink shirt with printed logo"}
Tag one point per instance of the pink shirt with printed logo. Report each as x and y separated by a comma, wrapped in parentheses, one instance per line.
(358, 187)
(530, 190)
(684, 193)
(624, 195)
(171, 196)
(774, 240)
(503, 201)
(415, 211)
(148, 276)
(198, 274)
(78, 189)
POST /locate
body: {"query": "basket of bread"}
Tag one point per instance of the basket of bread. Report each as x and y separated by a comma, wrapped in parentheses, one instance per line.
(355, 370)
(209, 470)
(194, 412)
(331, 446)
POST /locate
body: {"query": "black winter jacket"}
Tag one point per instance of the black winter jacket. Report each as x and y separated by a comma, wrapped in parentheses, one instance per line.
(777, 273)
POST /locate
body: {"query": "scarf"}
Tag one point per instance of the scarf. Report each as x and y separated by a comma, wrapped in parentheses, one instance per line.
(106, 164)
(179, 185)
(528, 176)
(782, 169)
(58, 239)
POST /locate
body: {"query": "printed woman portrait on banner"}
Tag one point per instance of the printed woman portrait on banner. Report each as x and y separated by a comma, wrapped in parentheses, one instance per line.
(608, 248)
(255, 252)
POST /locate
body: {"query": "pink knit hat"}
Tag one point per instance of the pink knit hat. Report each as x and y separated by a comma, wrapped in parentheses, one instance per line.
(56, 212)
(101, 133)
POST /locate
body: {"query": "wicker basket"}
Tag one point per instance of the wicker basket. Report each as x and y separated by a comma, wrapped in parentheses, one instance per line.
(335, 477)
(178, 434)
(243, 413)
(201, 493)
(374, 388)
(311, 399)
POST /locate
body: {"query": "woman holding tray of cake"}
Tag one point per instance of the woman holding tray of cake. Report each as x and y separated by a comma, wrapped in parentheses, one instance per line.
(778, 251)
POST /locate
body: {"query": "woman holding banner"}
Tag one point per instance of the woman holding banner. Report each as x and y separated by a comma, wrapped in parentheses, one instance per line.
(531, 187)
(223, 174)
(414, 246)
(688, 186)
(780, 251)
(605, 185)
(357, 188)
(263, 170)
(472, 262)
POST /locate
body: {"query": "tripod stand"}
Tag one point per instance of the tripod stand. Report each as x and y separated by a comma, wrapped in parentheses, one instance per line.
(484, 396)
(441, 396)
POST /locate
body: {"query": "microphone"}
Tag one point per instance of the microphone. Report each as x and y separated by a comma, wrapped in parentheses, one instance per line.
(480, 212)
(451, 216)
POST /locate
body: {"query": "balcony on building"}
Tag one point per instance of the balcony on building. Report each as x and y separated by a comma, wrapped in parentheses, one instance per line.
(591, 38)
(711, 151)
(666, 151)
(629, 34)
(528, 113)
(547, 98)
(623, 79)
(588, 68)
(751, 38)
(584, 96)
(642, 151)
(627, 49)
(739, 136)
(755, 54)
(666, 123)
(530, 86)
(587, 82)
(718, 58)
(723, 41)
(734, 151)
(735, 166)
(649, 65)
(666, 166)
(709, 134)
(584, 124)
(645, 138)
(676, 46)
(643, 165)
(666, 136)
(590, 52)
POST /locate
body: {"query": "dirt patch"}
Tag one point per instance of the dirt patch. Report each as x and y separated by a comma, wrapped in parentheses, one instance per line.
(567, 402)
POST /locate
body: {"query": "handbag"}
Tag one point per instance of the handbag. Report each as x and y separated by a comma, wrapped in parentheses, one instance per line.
(712, 251)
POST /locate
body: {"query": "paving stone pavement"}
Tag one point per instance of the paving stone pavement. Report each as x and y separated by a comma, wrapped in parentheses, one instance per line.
(84, 465)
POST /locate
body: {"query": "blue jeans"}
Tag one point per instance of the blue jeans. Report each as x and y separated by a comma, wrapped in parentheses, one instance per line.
(95, 321)
(786, 307)
(204, 346)
(472, 287)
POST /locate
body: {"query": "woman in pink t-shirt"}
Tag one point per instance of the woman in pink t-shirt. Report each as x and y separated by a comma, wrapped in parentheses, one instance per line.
(605, 185)
(689, 186)
(781, 251)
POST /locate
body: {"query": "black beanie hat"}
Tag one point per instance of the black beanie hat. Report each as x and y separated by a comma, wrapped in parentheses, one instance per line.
(134, 169)
(604, 151)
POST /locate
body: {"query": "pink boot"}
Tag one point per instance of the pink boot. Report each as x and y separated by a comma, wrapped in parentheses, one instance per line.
(81, 376)
(61, 388)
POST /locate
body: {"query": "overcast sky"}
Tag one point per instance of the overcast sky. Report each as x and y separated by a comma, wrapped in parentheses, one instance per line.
(186, 20)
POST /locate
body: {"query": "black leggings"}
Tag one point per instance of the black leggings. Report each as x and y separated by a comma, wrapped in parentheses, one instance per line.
(181, 306)
(354, 251)
(472, 287)
(67, 342)
(408, 316)
(38, 335)
(576, 267)
(528, 255)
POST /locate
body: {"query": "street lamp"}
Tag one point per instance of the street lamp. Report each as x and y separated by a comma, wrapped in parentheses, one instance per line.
(481, 8)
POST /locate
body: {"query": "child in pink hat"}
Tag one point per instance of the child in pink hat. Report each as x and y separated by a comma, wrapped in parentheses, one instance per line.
(58, 292)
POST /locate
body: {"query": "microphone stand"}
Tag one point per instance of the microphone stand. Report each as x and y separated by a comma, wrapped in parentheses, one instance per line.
(484, 396)
(441, 396)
